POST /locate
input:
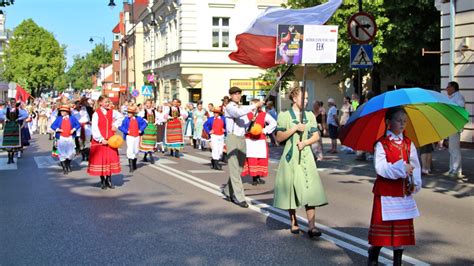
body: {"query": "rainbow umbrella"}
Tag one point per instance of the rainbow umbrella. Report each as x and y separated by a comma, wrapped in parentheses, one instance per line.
(432, 116)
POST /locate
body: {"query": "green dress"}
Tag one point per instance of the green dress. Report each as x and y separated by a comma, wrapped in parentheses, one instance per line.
(297, 185)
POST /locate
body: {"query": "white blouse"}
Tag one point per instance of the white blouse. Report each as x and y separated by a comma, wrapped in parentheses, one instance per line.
(117, 121)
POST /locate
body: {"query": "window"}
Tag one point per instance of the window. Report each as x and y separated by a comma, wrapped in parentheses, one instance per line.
(117, 76)
(116, 37)
(116, 56)
(220, 32)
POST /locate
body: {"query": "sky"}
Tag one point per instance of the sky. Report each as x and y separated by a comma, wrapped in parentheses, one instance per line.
(73, 22)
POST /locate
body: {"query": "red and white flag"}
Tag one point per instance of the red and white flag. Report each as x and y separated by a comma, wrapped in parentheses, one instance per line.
(21, 94)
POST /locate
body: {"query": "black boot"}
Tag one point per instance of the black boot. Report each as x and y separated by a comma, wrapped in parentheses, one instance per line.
(373, 259)
(68, 165)
(194, 143)
(255, 181)
(102, 182)
(152, 160)
(12, 154)
(9, 158)
(260, 181)
(63, 165)
(108, 182)
(213, 164)
(224, 157)
(144, 157)
(397, 257)
(218, 166)
(130, 165)
(134, 164)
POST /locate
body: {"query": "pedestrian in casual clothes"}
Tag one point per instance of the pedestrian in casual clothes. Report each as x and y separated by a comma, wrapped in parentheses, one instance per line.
(215, 127)
(346, 111)
(132, 128)
(258, 154)
(455, 160)
(236, 126)
(104, 160)
(297, 182)
(333, 124)
(66, 127)
(398, 178)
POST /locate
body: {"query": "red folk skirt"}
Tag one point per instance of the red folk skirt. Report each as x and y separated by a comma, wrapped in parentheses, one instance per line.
(256, 166)
(103, 160)
(389, 233)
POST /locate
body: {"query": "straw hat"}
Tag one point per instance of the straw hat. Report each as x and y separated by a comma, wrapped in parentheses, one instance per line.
(217, 110)
(65, 107)
(132, 109)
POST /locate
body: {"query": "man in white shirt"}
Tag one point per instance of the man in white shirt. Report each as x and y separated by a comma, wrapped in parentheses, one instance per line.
(237, 123)
(455, 166)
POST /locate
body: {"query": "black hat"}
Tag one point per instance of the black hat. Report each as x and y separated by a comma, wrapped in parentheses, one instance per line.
(234, 90)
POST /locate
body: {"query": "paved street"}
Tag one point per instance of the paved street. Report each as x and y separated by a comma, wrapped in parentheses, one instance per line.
(172, 213)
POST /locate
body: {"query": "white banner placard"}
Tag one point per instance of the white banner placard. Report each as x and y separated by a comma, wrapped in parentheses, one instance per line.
(319, 44)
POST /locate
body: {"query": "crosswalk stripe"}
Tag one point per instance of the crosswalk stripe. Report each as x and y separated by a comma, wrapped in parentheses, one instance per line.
(5, 166)
(195, 159)
(204, 171)
(46, 162)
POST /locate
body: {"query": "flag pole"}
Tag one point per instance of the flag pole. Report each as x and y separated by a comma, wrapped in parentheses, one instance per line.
(302, 109)
(275, 86)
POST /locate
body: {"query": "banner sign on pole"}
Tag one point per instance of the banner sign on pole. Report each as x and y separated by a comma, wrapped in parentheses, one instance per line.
(307, 44)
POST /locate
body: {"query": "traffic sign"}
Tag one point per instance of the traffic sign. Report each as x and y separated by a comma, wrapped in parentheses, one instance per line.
(146, 90)
(362, 56)
(361, 27)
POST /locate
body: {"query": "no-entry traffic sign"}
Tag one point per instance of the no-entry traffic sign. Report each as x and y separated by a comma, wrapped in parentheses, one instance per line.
(361, 27)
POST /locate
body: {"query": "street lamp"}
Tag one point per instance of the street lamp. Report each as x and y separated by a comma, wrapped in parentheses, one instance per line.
(91, 40)
(111, 4)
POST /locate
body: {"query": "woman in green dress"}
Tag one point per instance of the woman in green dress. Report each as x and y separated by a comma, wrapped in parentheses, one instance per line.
(297, 183)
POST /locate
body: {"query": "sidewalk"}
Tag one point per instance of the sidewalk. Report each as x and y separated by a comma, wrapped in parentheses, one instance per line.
(347, 163)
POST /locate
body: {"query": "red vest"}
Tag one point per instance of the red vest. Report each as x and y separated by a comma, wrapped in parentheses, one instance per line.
(261, 121)
(218, 126)
(66, 128)
(133, 127)
(105, 123)
(390, 187)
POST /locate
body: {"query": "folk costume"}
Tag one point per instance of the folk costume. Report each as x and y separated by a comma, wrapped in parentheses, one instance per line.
(215, 127)
(189, 125)
(256, 163)
(132, 128)
(160, 129)
(104, 160)
(11, 139)
(174, 139)
(148, 138)
(393, 206)
(297, 183)
(199, 118)
(66, 128)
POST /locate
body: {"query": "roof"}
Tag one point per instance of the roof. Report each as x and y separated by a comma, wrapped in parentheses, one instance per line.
(116, 28)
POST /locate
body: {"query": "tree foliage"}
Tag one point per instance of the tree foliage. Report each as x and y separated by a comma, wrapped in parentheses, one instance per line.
(34, 58)
(404, 28)
(84, 67)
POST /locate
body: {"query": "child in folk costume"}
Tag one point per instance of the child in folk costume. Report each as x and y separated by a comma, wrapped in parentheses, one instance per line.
(132, 127)
(215, 126)
(297, 182)
(160, 128)
(66, 126)
(103, 159)
(174, 128)
(398, 178)
(148, 139)
(256, 164)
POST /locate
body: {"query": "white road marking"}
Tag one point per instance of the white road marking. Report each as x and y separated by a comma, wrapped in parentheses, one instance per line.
(46, 162)
(204, 171)
(5, 166)
(263, 207)
(195, 159)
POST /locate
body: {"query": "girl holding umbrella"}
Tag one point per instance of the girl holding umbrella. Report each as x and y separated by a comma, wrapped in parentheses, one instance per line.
(297, 182)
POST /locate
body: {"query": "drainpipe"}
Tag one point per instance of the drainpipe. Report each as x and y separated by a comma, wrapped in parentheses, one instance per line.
(452, 28)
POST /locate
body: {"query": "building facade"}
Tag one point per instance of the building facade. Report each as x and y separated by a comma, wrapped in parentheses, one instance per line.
(457, 52)
(3, 44)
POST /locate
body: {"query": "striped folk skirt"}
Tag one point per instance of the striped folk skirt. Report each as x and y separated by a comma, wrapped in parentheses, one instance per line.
(103, 160)
(11, 136)
(148, 139)
(389, 233)
(174, 134)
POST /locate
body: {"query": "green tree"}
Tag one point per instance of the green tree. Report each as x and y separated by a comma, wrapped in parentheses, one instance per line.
(34, 58)
(84, 67)
(403, 29)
